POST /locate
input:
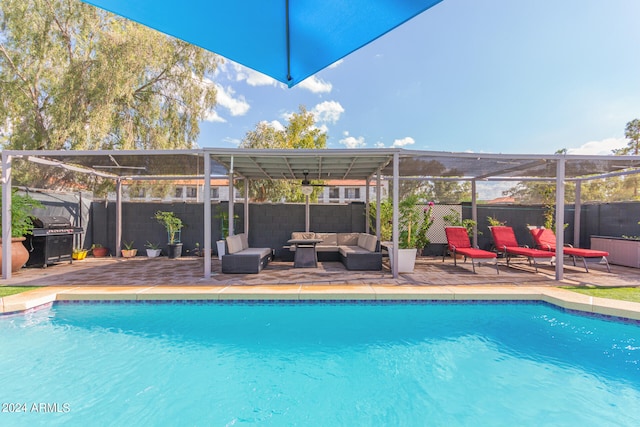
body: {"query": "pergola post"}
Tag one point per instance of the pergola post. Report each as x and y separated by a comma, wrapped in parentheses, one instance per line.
(206, 201)
(576, 214)
(560, 171)
(118, 217)
(474, 213)
(6, 215)
(230, 225)
(246, 207)
(366, 208)
(396, 215)
(378, 222)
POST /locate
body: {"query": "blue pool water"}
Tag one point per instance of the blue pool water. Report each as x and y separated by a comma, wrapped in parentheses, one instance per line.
(215, 364)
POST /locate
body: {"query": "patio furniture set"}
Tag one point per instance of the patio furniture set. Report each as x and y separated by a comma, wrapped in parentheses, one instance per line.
(361, 251)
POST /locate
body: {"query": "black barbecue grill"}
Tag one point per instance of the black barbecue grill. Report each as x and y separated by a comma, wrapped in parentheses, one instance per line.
(51, 241)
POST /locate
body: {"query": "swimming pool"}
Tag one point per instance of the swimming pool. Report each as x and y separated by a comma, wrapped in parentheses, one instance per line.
(317, 364)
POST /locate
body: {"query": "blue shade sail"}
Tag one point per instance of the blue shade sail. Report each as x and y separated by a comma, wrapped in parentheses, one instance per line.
(288, 40)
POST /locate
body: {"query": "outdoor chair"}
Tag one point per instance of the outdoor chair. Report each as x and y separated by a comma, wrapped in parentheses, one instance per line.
(545, 239)
(506, 243)
(458, 243)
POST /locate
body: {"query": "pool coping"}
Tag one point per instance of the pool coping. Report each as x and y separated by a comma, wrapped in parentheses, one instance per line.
(559, 297)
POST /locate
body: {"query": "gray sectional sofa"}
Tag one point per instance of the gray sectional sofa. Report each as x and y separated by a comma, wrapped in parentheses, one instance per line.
(240, 258)
(357, 251)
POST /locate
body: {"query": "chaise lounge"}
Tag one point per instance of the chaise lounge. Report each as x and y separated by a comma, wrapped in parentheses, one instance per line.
(545, 239)
(506, 243)
(458, 243)
(240, 258)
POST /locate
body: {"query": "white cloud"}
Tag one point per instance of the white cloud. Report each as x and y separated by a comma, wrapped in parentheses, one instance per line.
(236, 106)
(353, 142)
(602, 147)
(327, 112)
(378, 144)
(336, 64)
(276, 125)
(252, 77)
(403, 142)
(212, 116)
(315, 85)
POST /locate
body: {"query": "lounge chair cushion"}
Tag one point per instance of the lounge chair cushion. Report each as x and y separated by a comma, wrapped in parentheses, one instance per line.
(300, 235)
(348, 239)
(245, 240)
(328, 239)
(346, 250)
(476, 253)
(585, 253)
(234, 244)
(546, 239)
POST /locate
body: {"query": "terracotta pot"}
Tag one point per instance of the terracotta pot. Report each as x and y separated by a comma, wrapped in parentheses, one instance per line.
(19, 254)
(100, 252)
(129, 253)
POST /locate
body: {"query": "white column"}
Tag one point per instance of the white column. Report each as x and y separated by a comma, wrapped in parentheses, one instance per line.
(366, 208)
(118, 217)
(560, 218)
(378, 189)
(206, 200)
(576, 214)
(6, 215)
(474, 213)
(306, 214)
(396, 215)
(231, 230)
(246, 207)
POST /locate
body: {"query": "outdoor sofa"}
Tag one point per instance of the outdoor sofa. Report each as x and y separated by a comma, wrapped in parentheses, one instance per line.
(357, 251)
(240, 258)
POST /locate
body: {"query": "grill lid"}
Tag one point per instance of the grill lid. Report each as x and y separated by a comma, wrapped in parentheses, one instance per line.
(51, 222)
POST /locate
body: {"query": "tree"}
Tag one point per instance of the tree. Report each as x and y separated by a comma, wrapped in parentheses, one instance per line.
(77, 77)
(632, 133)
(299, 133)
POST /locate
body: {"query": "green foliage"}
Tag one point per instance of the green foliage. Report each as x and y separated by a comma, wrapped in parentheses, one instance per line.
(21, 214)
(171, 223)
(495, 222)
(128, 245)
(150, 245)
(77, 77)
(454, 219)
(427, 221)
(223, 215)
(414, 222)
(299, 133)
(386, 218)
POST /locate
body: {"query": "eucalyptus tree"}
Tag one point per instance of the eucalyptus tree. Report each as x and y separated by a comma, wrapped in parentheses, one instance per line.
(76, 77)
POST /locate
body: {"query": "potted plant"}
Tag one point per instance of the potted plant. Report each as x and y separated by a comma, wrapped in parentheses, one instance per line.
(414, 225)
(173, 225)
(21, 225)
(153, 249)
(223, 215)
(99, 251)
(129, 251)
(79, 253)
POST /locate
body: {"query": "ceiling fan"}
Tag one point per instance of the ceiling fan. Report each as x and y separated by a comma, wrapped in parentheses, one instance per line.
(307, 186)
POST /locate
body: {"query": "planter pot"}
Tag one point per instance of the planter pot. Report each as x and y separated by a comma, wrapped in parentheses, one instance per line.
(153, 253)
(19, 254)
(129, 253)
(221, 248)
(175, 250)
(406, 259)
(100, 252)
(79, 255)
(621, 251)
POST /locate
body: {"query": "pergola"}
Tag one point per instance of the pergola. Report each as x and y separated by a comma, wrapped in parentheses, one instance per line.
(362, 164)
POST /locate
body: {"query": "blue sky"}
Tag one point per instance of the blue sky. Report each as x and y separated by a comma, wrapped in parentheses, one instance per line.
(467, 75)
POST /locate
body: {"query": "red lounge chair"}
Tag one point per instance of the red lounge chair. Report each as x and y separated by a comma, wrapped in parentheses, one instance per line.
(506, 243)
(545, 239)
(459, 243)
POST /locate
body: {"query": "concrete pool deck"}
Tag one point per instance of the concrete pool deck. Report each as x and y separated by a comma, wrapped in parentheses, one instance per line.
(140, 278)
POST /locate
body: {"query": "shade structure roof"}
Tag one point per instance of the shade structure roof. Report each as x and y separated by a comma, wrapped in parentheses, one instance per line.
(333, 164)
(288, 40)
